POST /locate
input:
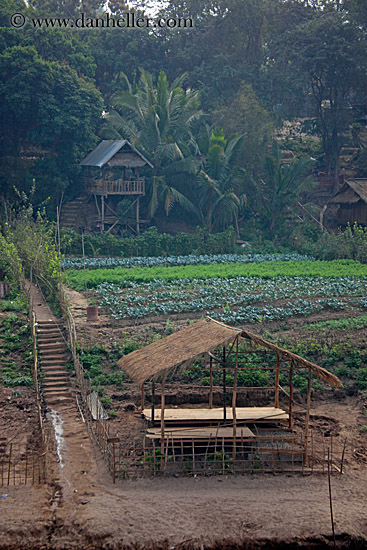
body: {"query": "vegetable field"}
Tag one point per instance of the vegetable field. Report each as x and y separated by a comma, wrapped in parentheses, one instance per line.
(231, 288)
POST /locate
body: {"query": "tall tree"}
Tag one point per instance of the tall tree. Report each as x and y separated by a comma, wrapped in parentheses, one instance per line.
(157, 120)
(220, 180)
(331, 50)
(280, 187)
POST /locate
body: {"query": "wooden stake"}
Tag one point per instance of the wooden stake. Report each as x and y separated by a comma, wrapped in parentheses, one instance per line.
(9, 465)
(211, 382)
(224, 386)
(142, 397)
(330, 498)
(193, 456)
(307, 415)
(276, 403)
(162, 421)
(102, 217)
(153, 397)
(137, 216)
(290, 396)
(85, 275)
(234, 398)
(342, 458)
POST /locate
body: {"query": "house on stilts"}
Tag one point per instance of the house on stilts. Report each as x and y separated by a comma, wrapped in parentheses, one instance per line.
(113, 187)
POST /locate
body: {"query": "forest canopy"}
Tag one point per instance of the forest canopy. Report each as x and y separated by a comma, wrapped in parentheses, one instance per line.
(205, 103)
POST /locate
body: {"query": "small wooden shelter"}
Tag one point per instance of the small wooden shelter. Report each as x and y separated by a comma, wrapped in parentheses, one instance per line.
(116, 165)
(219, 343)
(352, 201)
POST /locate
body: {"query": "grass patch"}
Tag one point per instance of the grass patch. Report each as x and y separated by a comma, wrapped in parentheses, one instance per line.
(266, 270)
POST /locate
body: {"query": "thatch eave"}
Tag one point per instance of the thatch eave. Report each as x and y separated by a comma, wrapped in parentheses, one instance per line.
(182, 348)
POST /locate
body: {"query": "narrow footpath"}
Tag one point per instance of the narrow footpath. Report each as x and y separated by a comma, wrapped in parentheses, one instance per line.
(76, 468)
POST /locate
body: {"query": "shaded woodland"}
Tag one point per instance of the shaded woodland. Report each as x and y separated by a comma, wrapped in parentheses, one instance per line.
(206, 105)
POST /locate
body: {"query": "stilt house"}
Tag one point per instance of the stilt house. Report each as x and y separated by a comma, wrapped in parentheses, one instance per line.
(114, 173)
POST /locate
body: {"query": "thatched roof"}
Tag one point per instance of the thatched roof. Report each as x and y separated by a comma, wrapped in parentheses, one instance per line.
(351, 192)
(178, 348)
(298, 361)
(191, 342)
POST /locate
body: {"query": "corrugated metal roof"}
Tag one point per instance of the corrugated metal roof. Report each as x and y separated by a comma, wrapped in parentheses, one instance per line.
(106, 150)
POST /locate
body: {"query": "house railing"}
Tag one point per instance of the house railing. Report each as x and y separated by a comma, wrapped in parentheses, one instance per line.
(115, 187)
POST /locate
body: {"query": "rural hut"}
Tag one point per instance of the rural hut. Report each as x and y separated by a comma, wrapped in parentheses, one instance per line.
(114, 172)
(226, 348)
(352, 202)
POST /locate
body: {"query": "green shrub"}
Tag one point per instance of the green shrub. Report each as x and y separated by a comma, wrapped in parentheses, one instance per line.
(149, 243)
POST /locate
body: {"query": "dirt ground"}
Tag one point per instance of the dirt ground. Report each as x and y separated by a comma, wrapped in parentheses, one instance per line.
(80, 507)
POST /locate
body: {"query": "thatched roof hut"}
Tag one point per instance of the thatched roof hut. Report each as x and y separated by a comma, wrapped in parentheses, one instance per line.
(188, 344)
(352, 201)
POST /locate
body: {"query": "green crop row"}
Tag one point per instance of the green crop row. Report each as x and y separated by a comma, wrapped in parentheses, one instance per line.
(267, 270)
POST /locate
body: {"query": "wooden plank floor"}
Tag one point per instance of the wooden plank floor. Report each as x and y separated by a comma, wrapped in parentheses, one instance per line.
(250, 414)
(202, 433)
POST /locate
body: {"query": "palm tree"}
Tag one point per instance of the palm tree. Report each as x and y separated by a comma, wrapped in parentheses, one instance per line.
(220, 180)
(157, 120)
(280, 188)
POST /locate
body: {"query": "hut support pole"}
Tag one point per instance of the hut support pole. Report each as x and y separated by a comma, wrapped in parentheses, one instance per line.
(102, 213)
(234, 398)
(153, 397)
(142, 397)
(224, 386)
(137, 216)
(162, 423)
(291, 396)
(276, 403)
(211, 382)
(307, 424)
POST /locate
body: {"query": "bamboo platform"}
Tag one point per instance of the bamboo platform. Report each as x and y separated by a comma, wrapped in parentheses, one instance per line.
(200, 434)
(206, 415)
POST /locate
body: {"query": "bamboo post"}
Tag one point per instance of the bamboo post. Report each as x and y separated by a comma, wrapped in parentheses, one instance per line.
(224, 386)
(211, 382)
(223, 462)
(234, 398)
(290, 396)
(137, 216)
(330, 497)
(144, 452)
(142, 397)
(102, 215)
(154, 457)
(113, 462)
(153, 396)
(166, 457)
(173, 449)
(9, 464)
(193, 456)
(307, 424)
(26, 469)
(342, 458)
(162, 420)
(276, 401)
(85, 275)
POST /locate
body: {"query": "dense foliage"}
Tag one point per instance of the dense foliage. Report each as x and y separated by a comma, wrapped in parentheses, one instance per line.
(203, 104)
(149, 243)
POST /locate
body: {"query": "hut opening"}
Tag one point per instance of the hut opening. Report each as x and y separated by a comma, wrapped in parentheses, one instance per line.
(223, 435)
